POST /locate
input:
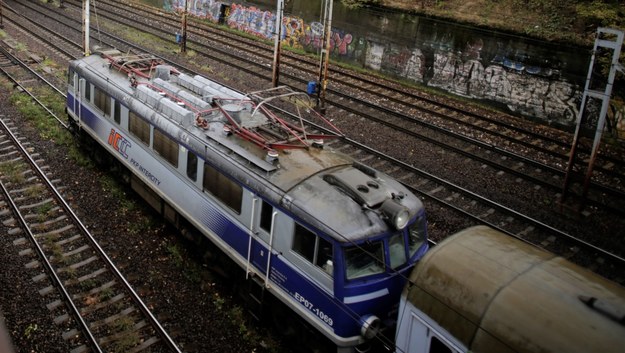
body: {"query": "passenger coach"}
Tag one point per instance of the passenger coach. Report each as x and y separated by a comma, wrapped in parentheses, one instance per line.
(328, 237)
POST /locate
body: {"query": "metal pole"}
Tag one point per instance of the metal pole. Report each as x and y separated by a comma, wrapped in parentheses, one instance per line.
(183, 41)
(606, 38)
(85, 26)
(1, 24)
(276, 50)
(325, 56)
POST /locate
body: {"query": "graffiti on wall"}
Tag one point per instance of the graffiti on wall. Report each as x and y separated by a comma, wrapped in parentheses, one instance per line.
(208, 9)
(252, 20)
(470, 72)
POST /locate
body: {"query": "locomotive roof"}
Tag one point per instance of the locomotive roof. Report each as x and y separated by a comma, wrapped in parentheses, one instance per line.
(208, 114)
(497, 294)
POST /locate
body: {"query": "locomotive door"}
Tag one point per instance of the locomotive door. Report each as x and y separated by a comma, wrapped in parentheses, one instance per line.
(80, 87)
(262, 235)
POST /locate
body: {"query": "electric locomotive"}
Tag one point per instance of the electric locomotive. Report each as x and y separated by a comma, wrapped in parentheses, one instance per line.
(483, 291)
(328, 237)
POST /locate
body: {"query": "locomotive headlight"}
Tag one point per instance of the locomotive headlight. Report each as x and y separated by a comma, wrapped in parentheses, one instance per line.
(397, 214)
(370, 326)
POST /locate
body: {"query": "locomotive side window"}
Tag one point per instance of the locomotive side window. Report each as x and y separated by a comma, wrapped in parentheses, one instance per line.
(139, 127)
(191, 165)
(265, 216)
(304, 242)
(102, 101)
(223, 188)
(166, 147)
(88, 91)
(117, 110)
(70, 77)
(364, 260)
(325, 256)
(397, 250)
(416, 235)
(313, 248)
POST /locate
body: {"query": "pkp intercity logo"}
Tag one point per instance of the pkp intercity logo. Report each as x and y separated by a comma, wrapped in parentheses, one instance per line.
(119, 143)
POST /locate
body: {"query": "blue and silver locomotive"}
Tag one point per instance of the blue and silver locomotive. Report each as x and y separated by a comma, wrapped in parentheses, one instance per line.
(326, 236)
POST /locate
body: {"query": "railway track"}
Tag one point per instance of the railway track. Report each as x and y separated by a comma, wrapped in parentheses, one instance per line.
(94, 306)
(478, 208)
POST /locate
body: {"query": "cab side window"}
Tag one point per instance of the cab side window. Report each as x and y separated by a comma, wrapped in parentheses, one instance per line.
(313, 248)
(304, 242)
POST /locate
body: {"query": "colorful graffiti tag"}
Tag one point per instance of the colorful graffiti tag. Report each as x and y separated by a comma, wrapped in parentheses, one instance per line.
(209, 9)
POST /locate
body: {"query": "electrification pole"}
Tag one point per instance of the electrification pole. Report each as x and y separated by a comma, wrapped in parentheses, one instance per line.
(85, 27)
(183, 40)
(277, 46)
(325, 56)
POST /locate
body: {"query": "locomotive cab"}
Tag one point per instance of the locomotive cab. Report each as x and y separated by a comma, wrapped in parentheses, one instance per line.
(376, 269)
(376, 229)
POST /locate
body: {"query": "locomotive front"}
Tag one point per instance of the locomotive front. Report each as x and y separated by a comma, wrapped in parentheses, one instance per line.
(374, 230)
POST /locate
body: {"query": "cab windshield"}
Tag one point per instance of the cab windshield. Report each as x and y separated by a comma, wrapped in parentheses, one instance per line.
(364, 260)
(369, 258)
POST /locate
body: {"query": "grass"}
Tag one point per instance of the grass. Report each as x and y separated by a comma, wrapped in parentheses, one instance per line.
(142, 224)
(126, 338)
(57, 251)
(12, 170)
(30, 330)
(175, 253)
(113, 188)
(43, 211)
(106, 294)
(34, 190)
(47, 126)
(88, 284)
(21, 47)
